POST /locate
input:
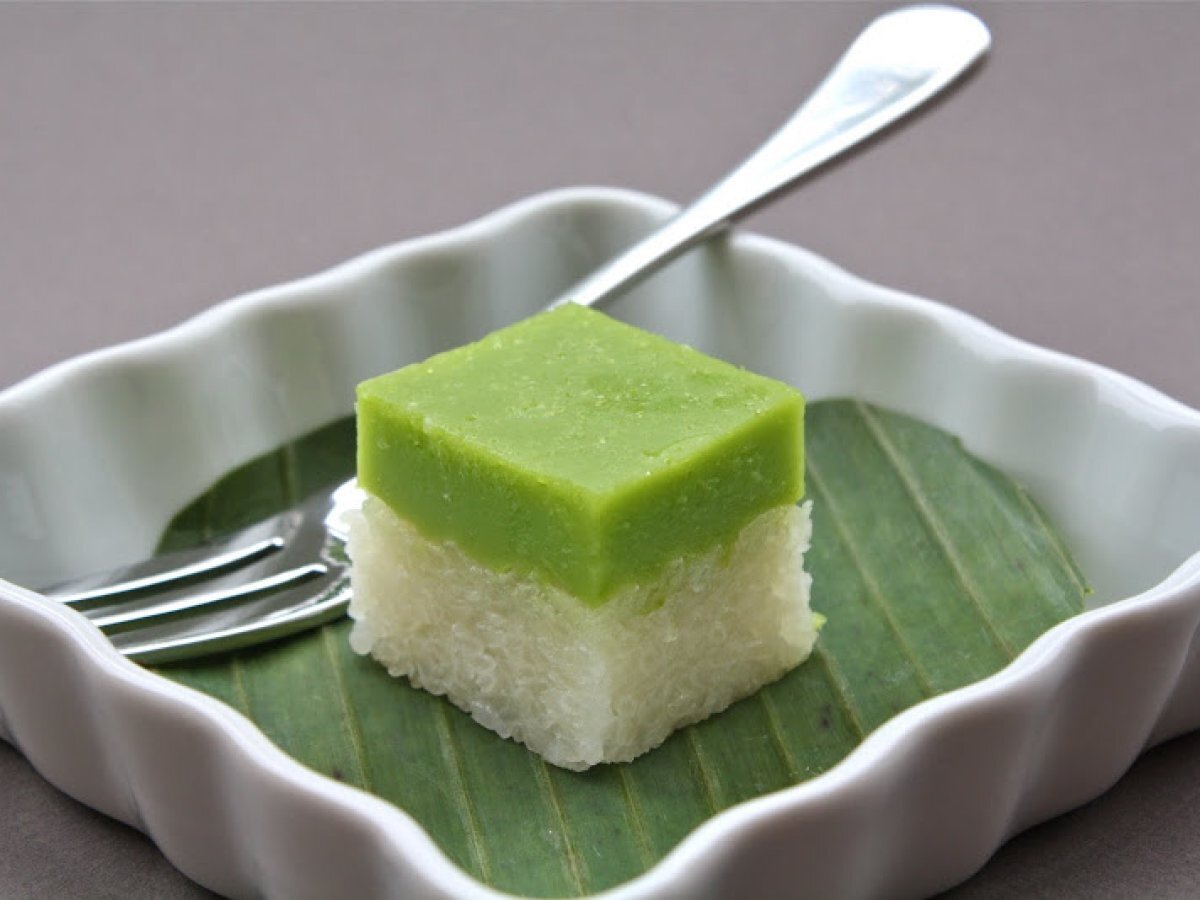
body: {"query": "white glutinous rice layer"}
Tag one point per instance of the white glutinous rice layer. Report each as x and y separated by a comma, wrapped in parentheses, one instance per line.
(581, 685)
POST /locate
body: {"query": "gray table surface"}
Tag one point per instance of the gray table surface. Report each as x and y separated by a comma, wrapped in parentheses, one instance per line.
(155, 159)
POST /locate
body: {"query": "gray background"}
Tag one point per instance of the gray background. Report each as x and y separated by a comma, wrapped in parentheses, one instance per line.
(156, 159)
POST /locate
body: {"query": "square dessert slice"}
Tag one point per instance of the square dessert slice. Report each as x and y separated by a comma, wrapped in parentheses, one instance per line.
(583, 534)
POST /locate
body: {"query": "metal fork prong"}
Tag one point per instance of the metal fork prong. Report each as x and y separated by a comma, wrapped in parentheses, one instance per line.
(289, 621)
(117, 622)
(208, 566)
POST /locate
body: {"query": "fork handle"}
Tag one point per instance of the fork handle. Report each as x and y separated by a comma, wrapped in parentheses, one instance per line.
(900, 61)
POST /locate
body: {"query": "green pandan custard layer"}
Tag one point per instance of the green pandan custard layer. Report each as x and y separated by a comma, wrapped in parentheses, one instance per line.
(580, 447)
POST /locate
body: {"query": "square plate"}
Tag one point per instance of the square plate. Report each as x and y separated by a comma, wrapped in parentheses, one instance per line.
(126, 436)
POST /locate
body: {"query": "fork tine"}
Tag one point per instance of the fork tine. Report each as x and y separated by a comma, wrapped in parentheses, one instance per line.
(208, 566)
(178, 567)
(188, 605)
(276, 577)
(308, 612)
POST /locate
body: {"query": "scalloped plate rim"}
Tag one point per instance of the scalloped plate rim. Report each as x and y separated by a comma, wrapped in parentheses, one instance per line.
(681, 869)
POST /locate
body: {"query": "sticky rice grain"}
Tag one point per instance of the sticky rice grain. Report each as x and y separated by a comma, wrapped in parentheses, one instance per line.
(581, 685)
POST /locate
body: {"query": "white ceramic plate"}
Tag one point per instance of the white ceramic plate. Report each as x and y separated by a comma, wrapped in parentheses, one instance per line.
(98, 453)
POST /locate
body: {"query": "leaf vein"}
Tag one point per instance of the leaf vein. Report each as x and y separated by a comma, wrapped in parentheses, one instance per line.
(874, 591)
(574, 866)
(1055, 541)
(707, 781)
(934, 524)
(636, 817)
(239, 686)
(835, 678)
(353, 727)
(289, 472)
(773, 728)
(462, 795)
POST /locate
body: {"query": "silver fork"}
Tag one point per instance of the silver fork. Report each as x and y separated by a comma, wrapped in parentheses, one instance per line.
(290, 572)
(282, 575)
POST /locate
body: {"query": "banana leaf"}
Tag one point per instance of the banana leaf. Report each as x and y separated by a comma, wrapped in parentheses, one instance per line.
(933, 568)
